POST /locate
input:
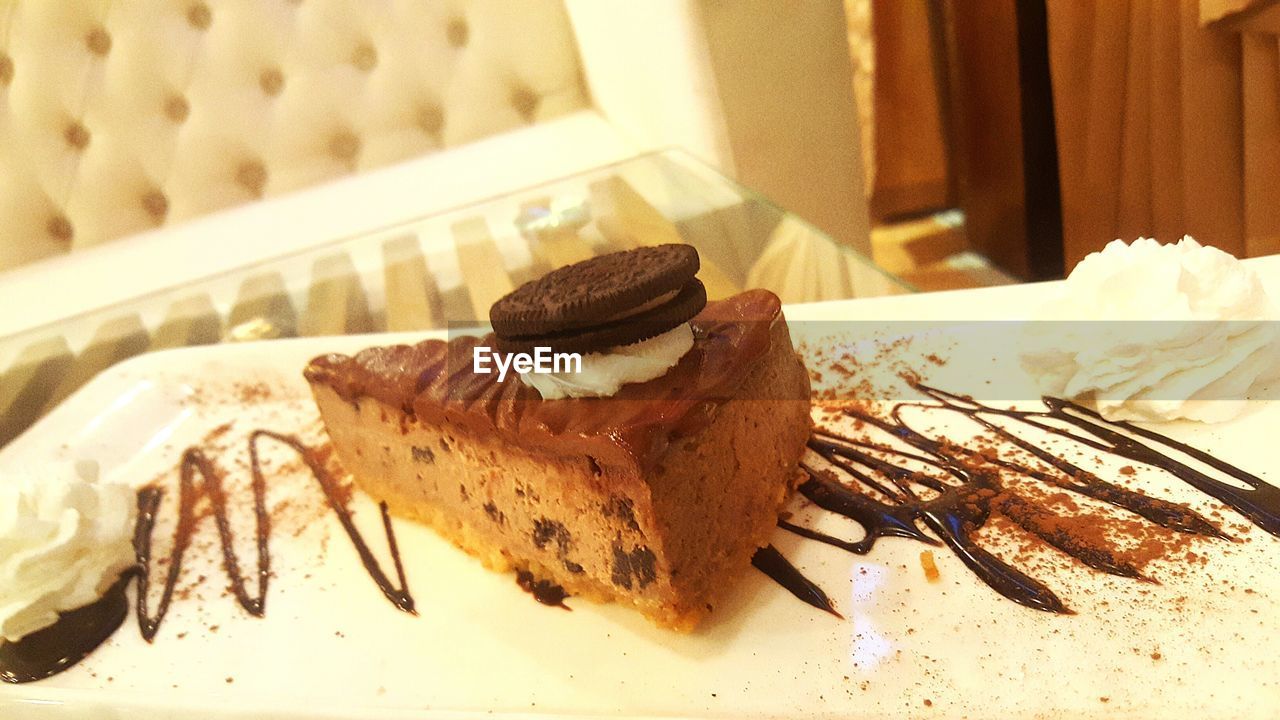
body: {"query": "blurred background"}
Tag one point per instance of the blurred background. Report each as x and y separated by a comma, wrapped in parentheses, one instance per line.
(183, 172)
(1051, 126)
(1058, 125)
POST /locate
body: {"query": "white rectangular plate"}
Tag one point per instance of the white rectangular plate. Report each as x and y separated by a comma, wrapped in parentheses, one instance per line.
(332, 646)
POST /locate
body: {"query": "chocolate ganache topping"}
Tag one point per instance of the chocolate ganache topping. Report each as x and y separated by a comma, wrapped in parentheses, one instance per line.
(435, 380)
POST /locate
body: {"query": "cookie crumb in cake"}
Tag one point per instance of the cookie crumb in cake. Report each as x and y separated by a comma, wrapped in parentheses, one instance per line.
(544, 591)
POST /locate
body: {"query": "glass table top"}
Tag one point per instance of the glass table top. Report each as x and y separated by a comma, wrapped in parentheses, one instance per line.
(446, 269)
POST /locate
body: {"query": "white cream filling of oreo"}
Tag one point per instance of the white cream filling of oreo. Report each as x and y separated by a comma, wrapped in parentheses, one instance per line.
(604, 373)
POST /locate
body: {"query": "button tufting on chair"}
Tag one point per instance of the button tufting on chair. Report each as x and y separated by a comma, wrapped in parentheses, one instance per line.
(525, 102)
(457, 32)
(199, 16)
(156, 205)
(430, 119)
(204, 105)
(77, 136)
(365, 57)
(252, 176)
(98, 41)
(60, 229)
(272, 81)
(176, 108)
(345, 146)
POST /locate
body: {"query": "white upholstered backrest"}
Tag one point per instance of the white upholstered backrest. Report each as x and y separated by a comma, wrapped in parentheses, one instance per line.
(123, 115)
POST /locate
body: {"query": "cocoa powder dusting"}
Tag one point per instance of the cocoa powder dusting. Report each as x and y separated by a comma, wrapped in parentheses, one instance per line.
(1006, 504)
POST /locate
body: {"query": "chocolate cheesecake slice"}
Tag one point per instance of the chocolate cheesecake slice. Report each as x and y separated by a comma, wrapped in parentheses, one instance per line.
(656, 497)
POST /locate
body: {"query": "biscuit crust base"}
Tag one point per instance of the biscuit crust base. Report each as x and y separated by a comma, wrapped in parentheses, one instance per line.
(667, 542)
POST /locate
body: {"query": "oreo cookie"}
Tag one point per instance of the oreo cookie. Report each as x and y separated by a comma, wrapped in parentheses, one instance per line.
(687, 303)
(594, 291)
(609, 300)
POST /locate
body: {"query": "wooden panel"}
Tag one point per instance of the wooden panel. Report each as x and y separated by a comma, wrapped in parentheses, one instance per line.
(26, 387)
(262, 310)
(1133, 218)
(412, 299)
(1212, 107)
(731, 237)
(1166, 150)
(987, 109)
(482, 266)
(957, 274)
(866, 281)
(1260, 19)
(336, 303)
(1108, 55)
(555, 248)
(832, 279)
(909, 245)
(114, 341)
(1070, 62)
(1004, 144)
(910, 146)
(1232, 11)
(627, 219)
(1261, 144)
(800, 265)
(190, 321)
(1166, 124)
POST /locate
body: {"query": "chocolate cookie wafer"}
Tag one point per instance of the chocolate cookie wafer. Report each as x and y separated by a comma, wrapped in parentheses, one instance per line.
(687, 303)
(610, 300)
(595, 291)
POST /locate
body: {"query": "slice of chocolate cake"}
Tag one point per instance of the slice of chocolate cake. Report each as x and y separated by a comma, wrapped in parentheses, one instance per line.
(655, 496)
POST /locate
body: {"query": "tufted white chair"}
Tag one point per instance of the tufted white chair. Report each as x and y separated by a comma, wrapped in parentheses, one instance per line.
(119, 117)
(145, 143)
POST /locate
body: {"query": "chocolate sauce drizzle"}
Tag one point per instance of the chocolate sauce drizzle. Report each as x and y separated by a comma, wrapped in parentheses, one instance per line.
(771, 562)
(955, 508)
(79, 632)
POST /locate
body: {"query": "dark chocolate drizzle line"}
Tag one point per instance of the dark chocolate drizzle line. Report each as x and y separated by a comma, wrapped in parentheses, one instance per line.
(1260, 503)
(1163, 513)
(78, 632)
(950, 521)
(879, 519)
(896, 510)
(771, 562)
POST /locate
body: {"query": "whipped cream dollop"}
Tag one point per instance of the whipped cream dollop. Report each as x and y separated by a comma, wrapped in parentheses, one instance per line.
(64, 539)
(1199, 341)
(604, 373)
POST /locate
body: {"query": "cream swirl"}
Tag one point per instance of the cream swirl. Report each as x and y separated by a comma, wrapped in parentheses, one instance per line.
(604, 373)
(1197, 342)
(64, 539)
